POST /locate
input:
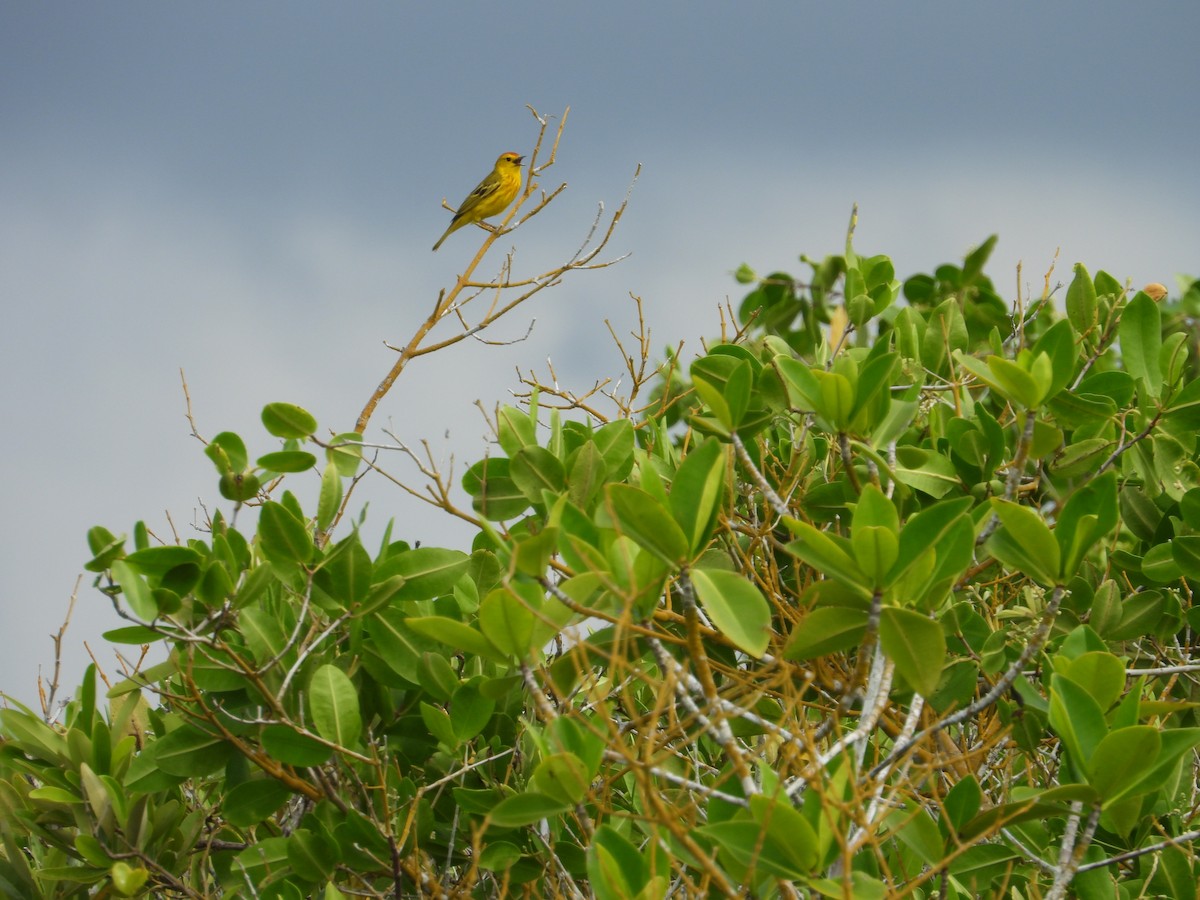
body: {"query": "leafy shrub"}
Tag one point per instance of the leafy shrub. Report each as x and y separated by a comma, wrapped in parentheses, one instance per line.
(875, 599)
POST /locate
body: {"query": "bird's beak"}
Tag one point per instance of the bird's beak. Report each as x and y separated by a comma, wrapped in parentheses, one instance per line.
(520, 159)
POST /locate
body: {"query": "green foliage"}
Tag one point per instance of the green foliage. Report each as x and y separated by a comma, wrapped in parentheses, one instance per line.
(852, 604)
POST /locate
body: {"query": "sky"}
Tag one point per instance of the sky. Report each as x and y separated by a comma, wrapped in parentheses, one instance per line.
(248, 193)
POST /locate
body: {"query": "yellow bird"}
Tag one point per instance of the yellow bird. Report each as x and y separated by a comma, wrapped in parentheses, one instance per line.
(491, 196)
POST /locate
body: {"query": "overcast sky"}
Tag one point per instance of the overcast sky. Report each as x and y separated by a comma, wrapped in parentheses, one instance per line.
(249, 192)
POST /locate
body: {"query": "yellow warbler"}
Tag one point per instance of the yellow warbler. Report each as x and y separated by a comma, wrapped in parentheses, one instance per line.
(491, 196)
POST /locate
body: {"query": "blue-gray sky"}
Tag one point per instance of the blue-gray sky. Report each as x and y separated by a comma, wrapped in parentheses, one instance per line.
(249, 192)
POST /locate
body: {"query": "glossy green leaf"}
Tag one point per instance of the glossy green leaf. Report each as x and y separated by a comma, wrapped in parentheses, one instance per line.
(333, 701)
(286, 461)
(286, 420)
(615, 442)
(1120, 759)
(1081, 300)
(804, 390)
(253, 801)
(535, 469)
(492, 491)
(345, 452)
(639, 516)
(1184, 407)
(289, 746)
(1058, 343)
(525, 809)
(329, 500)
(827, 629)
(1077, 718)
(736, 607)
(916, 644)
(1140, 332)
(135, 591)
(428, 572)
(228, 452)
(926, 530)
(724, 384)
(284, 540)
(925, 471)
(827, 555)
(508, 622)
(696, 493)
(1025, 543)
(1098, 672)
(1089, 515)
(188, 751)
(516, 429)
(562, 777)
(616, 869)
(454, 633)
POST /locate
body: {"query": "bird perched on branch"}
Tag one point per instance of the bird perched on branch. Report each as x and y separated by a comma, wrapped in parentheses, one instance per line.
(491, 196)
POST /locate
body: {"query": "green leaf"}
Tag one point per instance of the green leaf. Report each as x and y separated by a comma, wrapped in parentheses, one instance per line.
(333, 701)
(926, 530)
(615, 443)
(329, 500)
(586, 476)
(516, 429)
(804, 390)
(155, 562)
(1025, 543)
(1077, 718)
(1140, 331)
(492, 491)
(135, 590)
(916, 644)
(345, 573)
(826, 555)
(507, 620)
(1120, 761)
(1184, 407)
(874, 509)
(562, 777)
(345, 452)
(1185, 551)
(525, 809)
(723, 382)
(874, 377)
(1098, 672)
(790, 843)
(428, 572)
(1058, 343)
(191, 752)
(925, 471)
(456, 634)
(253, 801)
(639, 516)
(696, 493)
(228, 452)
(1081, 300)
(736, 607)
(875, 551)
(1026, 388)
(286, 461)
(286, 420)
(615, 868)
(835, 402)
(1087, 518)
(314, 856)
(289, 746)
(283, 539)
(828, 629)
(535, 469)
